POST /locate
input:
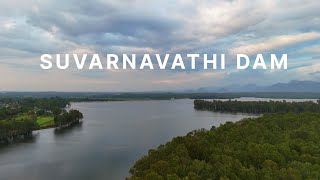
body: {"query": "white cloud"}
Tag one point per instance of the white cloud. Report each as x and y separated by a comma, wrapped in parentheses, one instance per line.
(311, 49)
(308, 71)
(274, 43)
(8, 25)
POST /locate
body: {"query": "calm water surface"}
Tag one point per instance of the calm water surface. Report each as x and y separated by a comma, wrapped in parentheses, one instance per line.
(112, 137)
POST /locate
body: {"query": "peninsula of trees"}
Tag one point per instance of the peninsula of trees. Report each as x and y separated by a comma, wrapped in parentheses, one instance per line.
(282, 144)
(274, 146)
(19, 117)
(63, 118)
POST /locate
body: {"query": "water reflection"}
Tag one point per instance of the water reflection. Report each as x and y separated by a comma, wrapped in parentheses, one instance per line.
(67, 130)
(19, 142)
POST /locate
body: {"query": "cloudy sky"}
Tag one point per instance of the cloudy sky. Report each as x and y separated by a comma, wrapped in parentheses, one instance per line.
(31, 28)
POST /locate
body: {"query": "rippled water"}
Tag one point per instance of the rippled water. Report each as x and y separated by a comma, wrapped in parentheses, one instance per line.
(112, 137)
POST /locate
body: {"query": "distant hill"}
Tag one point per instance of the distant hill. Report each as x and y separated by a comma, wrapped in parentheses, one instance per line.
(292, 86)
(295, 86)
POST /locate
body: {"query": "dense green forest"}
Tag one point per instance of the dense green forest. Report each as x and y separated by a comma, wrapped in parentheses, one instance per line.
(274, 146)
(257, 107)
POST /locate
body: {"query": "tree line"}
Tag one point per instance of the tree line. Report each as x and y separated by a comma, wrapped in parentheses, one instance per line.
(274, 146)
(13, 128)
(63, 118)
(10, 107)
(257, 106)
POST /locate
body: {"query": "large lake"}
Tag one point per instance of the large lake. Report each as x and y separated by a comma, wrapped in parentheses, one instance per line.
(112, 137)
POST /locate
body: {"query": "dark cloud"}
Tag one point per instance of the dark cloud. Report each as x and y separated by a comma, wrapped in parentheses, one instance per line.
(106, 25)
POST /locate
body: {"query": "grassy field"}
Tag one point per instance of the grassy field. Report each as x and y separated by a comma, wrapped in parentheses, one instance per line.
(45, 121)
(21, 117)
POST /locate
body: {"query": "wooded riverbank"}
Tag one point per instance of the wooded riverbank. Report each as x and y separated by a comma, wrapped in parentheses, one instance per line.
(20, 117)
